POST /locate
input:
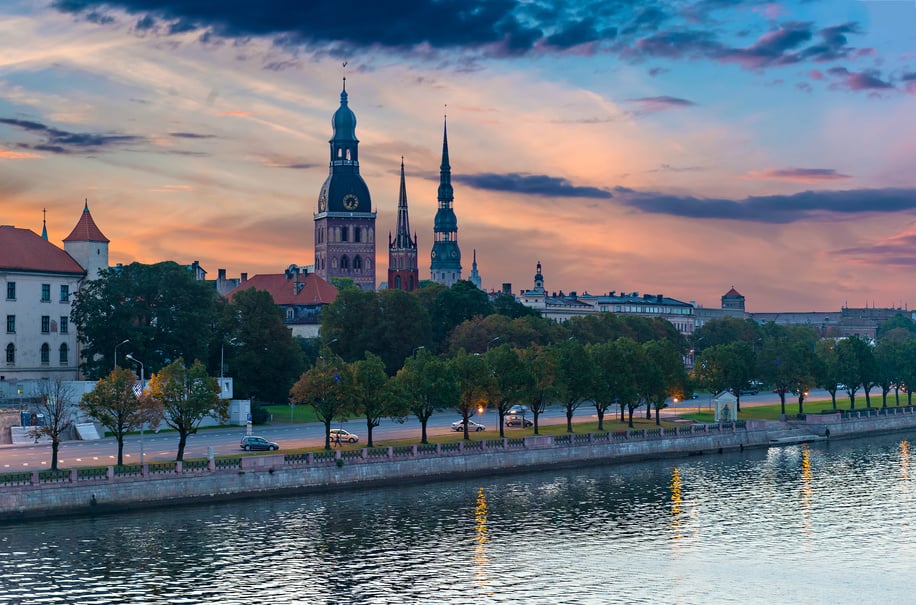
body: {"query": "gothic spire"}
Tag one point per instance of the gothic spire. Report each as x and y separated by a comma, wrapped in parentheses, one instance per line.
(44, 224)
(402, 239)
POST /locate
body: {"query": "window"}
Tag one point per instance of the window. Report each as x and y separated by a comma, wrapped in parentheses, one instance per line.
(357, 232)
(64, 354)
(45, 353)
(344, 234)
(10, 353)
(10, 324)
(45, 324)
(11, 290)
(45, 292)
(357, 262)
(344, 262)
(64, 324)
(65, 293)
(290, 314)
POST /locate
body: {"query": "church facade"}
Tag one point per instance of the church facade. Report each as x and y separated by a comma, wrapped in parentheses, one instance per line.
(345, 222)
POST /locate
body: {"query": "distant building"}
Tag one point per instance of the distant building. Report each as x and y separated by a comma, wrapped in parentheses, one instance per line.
(403, 270)
(39, 280)
(474, 277)
(299, 294)
(445, 266)
(345, 222)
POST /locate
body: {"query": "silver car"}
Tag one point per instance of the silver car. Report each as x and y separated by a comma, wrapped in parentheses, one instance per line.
(458, 425)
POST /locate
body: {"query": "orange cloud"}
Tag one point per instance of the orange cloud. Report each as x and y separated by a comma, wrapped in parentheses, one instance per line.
(240, 114)
(6, 154)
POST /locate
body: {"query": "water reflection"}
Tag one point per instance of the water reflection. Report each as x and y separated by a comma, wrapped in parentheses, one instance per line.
(561, 536)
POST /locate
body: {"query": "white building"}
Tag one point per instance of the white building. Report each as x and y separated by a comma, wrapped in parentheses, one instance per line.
(37, 281)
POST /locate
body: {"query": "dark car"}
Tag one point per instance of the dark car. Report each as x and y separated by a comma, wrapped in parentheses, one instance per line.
(518, 420)
(258, 443)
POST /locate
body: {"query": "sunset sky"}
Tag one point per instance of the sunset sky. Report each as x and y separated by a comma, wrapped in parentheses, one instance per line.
(678, 147)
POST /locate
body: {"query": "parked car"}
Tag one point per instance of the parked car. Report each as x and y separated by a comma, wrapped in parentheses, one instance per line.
(342, 436)
(518, 410)
(251, 443)
(518, 420)
(458, 425)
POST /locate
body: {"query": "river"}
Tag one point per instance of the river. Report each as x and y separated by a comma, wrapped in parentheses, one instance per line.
(821, 523)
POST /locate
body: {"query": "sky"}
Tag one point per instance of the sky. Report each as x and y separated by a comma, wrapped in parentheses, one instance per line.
(676, 147)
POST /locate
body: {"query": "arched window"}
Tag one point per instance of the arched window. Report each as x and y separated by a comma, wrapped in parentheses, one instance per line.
(357, 233)
(45, 353)
(10, 353)
(334, 263)
(348, 154)
(64, 354)
(357, 262)
(344, 262)
(340, 153)
(290, 314)
(397, 282)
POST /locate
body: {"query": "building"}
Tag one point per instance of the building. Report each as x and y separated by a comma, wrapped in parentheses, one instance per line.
(403, 268)
(474, 277)
(445, 265)
(39, 279)
(301, 296)
(345, 222)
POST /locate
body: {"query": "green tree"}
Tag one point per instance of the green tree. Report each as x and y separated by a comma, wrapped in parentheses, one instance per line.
(574, 378)
(186, 396)
(614, 376)
(327, 387)
(848, 351)
(114, 404)
(453, 305)
(404, 326)
(669, 379)
(426, 384)
(828, 367)
(161, 309)
(472, 378)
(889, 354)
(506, 304)
(510, 380)
(263, 357)
(56, 407)
(352, 323)
(540, 390)
(369, 390)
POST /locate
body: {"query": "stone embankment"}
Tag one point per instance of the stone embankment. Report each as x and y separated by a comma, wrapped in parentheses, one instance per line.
(39, 494)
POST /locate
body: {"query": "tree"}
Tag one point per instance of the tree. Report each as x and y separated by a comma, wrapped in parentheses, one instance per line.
(575, 376)
(426, 384)
(115, 405)
(56, 406)
(451, 306)
(671, 378)
(510, 380)
(506, 304)
(848, 367)
(264, 358)
(540, 390)
(161, 309)
(888, 357)
(472, 378)
(327, 387)
(369, 391)
(828, 367)
(186, 396)
(614, 379)
(726, 331)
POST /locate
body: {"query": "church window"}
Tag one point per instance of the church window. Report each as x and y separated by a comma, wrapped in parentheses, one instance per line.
(348, 154)
(340, 153)
(357, 233)
(334, 263)
(11, 353)
(344, 262)
(45, 353)
(410, 283)
(368, 264)
(357, 262)
(397, 282)
(344, 234)
(64, 354)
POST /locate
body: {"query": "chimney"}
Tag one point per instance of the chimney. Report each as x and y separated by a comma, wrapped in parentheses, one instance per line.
(222, 274)
(244, 277)
(507, 288)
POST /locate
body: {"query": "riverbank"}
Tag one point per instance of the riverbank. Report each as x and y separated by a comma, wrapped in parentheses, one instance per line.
(95, 491)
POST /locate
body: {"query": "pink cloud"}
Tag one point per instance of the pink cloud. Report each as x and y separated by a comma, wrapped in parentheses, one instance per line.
(6, 154)
(801, 175)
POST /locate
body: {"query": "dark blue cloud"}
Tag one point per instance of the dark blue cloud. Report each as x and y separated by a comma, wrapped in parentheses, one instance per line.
(778, 209)
(531, 184)
(62, 141)
(662, 103)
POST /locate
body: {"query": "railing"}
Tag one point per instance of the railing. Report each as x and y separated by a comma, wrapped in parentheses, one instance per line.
(133, 472)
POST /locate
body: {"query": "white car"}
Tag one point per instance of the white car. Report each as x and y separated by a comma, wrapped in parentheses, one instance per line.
(458, 425)
(342, 436)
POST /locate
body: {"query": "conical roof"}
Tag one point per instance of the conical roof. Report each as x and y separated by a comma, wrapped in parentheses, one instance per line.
(86, 230)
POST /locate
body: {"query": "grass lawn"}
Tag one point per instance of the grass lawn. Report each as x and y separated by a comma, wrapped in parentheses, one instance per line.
(773, 412)
(300, 413)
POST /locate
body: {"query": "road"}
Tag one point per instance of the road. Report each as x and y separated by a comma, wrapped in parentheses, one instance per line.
(163, 446)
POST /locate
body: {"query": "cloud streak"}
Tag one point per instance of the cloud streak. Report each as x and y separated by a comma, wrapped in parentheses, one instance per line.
(531, 184)
(65, 142)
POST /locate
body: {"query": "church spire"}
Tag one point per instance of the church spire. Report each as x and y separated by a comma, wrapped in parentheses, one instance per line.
(445, 267)
(403, 271)
(402, 238)
(44, 224)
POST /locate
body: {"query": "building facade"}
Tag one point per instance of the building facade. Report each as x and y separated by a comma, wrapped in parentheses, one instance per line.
(345, 222)
(445, 257)
(37, 283)
(403, 268)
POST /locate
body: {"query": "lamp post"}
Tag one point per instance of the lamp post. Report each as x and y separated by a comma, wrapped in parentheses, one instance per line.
(142, 386)
(125, 341)
(222, 347)
(491, 341)
(417, 349)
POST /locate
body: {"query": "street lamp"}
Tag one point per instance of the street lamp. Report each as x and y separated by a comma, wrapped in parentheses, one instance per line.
(125, 341)
(414, 354)
(492, 340)
(142, 386)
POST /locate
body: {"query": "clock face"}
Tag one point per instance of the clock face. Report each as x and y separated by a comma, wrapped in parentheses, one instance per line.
(433, 254)
(322, 202)
(350, 201)
(454, 254)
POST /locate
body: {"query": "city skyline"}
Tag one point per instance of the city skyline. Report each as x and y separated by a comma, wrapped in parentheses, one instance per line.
(676, 147)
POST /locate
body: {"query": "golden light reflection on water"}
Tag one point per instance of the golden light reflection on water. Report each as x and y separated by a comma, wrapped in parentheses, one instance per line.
(904, 459)
(481, 538)
(806, 491)
(676, 500)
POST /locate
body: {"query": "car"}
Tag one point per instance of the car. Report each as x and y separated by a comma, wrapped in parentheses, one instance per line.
(750, 391)
(518, 410)
(342, 436)
(458, 425)
(251, 443)
(518, 420)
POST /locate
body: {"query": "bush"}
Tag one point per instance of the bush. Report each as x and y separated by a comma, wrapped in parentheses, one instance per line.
(259, 415)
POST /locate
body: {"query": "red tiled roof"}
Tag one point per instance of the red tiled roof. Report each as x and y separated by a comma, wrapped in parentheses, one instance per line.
(732, 293)
(315, 290)
(25, 250)
(86, 229)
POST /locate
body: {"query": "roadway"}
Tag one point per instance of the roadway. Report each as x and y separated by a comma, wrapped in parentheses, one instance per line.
(163, 446)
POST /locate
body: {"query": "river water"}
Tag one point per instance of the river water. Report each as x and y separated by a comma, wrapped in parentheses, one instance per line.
(821, 523)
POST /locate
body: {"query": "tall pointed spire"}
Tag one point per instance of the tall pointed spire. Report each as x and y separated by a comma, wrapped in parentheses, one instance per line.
(403, 271)
(445, 267)
(44, 224)
(474, 277)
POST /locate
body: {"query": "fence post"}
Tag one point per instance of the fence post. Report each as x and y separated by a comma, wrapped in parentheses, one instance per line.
(413, 450)
(309, 458)
(438, 449)
(179, 467)
(390, 452)
(505, 443)
(33, 478)
(73, 475)
(109, 473)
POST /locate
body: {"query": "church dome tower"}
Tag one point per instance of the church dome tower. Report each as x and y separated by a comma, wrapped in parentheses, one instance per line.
(345, 222)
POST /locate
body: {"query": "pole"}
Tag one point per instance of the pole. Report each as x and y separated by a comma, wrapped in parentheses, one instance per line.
(142, 422)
